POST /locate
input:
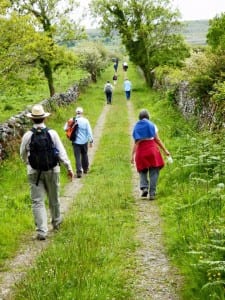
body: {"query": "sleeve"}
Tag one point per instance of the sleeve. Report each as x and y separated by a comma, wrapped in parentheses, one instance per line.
(24, 146)
(89, 132)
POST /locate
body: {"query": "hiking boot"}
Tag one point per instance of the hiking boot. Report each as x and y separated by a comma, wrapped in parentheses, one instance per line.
(86, 171)
(56, 227)
(79, 175)
(41, 237)
(144, 192)
(152, 197)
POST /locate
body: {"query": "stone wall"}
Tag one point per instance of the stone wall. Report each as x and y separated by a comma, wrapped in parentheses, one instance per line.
(183, 99)
(189, 107)
(12, 130)
(205, 114)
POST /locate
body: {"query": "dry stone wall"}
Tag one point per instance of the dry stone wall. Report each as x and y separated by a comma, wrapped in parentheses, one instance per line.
(12, 130)
(183, 99)
(188, 105)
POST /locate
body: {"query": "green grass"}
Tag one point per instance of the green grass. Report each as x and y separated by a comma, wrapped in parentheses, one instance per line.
(93, 255)
(192, 205)
(33, 90)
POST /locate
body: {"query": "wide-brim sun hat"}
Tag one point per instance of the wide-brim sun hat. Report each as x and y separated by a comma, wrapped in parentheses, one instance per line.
(37, 112)
(79, 110)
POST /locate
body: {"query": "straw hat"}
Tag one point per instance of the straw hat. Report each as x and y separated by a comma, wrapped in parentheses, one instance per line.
(37, 112)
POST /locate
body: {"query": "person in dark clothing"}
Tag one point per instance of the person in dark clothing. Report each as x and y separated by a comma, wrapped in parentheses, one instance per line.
(114, 79)
(108, 90)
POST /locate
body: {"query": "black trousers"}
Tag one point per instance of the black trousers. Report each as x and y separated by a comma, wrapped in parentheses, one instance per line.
(108, 97)
(81, 157)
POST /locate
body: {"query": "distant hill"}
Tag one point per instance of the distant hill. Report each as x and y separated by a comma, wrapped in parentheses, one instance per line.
(195, 31)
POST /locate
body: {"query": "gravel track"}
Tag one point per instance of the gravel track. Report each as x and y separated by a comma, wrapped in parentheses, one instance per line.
(156, 279)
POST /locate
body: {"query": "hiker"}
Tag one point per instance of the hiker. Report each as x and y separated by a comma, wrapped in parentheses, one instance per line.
(108, 90)
(127, 85)
(80, 144)
(146, 154)
(114, 79)
(125, 66)
(41, 150)
(115, 66)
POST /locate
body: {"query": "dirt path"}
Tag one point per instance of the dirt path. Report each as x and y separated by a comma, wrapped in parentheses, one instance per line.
(156, 279)
(16, 268)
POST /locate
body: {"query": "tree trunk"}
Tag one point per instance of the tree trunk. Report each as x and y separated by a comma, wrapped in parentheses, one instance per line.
(149, 75)
(48, 75)
(93, 77)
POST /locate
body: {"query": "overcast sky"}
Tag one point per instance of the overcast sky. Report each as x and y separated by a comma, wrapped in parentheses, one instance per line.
(199, 9)
(190, 9)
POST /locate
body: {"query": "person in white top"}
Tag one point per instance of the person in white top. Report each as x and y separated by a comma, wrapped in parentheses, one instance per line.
(127, 85)
(44, 182)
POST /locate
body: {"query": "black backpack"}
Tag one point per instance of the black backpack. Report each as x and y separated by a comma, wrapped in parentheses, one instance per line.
(43, 155)
(108, 88)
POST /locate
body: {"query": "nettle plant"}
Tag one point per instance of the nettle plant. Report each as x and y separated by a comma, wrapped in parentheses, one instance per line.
(200, 216)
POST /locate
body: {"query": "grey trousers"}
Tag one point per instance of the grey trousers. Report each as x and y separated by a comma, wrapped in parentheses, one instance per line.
(48, 186)
(153, 174)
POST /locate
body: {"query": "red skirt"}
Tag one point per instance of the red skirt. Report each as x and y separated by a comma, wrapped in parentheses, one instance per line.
(148, 155)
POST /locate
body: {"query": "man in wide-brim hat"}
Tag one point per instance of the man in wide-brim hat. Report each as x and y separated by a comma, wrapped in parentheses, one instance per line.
(37, 112)
(48, 181)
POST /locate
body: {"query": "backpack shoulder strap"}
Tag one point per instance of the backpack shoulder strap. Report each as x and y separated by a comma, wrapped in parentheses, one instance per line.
(33, 130)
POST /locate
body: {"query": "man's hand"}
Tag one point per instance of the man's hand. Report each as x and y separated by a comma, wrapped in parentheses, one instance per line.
(70, 174)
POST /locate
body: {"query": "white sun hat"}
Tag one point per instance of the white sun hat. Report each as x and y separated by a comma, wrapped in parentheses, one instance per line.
(37, 112)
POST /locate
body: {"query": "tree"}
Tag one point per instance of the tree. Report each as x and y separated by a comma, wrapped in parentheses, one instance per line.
(92, 58)
(51, 20)
(216, 33)
(148, 29)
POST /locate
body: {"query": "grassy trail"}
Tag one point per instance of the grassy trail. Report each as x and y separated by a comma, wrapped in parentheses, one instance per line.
(93, 255)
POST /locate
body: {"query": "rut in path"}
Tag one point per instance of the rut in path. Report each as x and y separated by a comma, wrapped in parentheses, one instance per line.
(156, 280)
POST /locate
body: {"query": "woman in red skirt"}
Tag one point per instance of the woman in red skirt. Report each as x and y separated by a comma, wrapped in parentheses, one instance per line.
(146, 154)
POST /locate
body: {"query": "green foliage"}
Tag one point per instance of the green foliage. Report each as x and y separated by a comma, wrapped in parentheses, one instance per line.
(205, 72)
(216, 34)
(35, 27)
(168, 77)
(92, 57)
(31, 88)
(195, 203)
(147, 30)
